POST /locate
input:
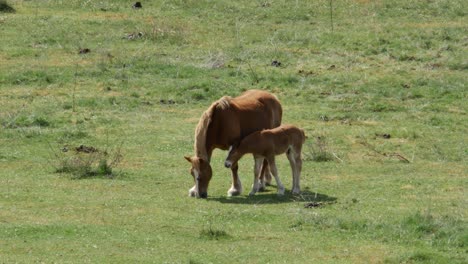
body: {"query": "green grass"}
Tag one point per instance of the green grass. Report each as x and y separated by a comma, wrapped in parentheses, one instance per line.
(396, 68)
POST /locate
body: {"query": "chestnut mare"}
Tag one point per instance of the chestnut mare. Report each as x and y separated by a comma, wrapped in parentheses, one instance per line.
(225, 123)
(266, 144)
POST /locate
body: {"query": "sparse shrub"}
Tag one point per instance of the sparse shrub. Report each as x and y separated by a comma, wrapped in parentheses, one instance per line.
(85, 162)
(318, 151)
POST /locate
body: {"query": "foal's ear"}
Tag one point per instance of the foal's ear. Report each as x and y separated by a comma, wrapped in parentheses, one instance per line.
(189, 159)
(234, 146)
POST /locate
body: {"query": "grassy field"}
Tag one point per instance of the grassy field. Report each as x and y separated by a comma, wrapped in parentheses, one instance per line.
(378, 86)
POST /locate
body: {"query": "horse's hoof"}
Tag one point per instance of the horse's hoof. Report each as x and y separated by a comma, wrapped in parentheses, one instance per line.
(233, 192)
(296, 192)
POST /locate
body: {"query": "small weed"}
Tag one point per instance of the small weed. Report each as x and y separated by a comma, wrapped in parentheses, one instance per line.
(40, 121)
(297, 225)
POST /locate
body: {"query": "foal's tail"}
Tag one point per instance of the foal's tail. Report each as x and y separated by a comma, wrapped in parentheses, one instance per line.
(304, 137)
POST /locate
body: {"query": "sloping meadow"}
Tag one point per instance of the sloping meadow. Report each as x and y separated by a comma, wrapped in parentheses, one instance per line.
(99, 101)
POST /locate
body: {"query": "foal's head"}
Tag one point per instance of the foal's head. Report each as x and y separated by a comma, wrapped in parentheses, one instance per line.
(234, 155)
(201, 172)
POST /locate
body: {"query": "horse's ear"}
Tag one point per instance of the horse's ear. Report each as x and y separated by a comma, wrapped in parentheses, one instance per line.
(189, 159)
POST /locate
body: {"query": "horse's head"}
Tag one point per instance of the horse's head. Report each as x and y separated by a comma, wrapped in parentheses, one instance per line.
(233, 156)
(201, 172)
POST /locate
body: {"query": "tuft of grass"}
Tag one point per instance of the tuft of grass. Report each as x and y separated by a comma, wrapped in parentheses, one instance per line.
(22, 121)
(213, 234)
(5, 7)
(441, 231)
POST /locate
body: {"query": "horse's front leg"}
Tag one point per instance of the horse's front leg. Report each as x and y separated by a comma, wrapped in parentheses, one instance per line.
(236, 187)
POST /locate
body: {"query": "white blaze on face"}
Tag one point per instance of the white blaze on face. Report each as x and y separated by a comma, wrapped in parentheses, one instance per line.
(196, 174)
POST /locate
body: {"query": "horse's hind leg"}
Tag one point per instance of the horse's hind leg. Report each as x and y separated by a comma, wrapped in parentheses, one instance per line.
(274, 171)
(236, 187)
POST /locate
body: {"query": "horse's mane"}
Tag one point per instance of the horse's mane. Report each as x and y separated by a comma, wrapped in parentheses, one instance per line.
(203, 124)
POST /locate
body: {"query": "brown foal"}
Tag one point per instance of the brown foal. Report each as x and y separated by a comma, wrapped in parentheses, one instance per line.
(266, 144)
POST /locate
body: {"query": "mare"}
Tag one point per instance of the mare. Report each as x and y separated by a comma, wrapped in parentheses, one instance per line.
(224, 124)
(266, 144)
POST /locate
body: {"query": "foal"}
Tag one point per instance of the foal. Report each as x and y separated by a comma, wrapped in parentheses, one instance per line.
(266, 144)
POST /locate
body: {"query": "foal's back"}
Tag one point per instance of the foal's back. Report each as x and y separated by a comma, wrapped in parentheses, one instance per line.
(277, 140)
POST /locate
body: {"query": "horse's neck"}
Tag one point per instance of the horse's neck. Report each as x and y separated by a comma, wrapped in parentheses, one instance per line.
(204, 151)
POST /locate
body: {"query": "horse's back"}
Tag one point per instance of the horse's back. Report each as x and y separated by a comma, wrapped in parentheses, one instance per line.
(254, 110)
(257, 110)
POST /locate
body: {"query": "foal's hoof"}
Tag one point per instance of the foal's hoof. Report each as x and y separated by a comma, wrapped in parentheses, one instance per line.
(280, 192)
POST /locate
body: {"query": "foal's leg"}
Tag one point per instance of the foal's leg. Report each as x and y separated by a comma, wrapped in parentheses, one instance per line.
(297, 189)
(296, 165)
(257, 171)
(265, 178)
(236, 187)
(274, 171)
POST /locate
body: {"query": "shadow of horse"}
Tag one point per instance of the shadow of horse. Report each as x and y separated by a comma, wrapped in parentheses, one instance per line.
(270, 197)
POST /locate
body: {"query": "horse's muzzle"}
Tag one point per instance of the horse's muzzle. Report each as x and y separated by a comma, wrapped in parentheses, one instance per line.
(227, 164)
(204, 195)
